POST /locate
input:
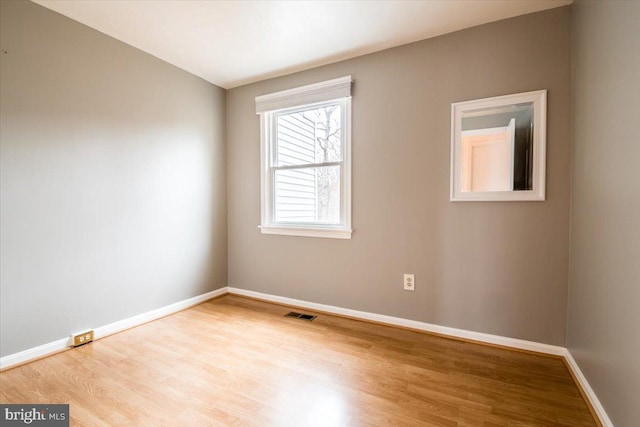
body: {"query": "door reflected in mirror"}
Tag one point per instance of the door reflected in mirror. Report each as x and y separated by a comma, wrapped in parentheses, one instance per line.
(498, 148)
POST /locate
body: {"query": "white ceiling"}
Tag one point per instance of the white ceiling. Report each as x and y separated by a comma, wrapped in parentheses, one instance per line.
(231, 43)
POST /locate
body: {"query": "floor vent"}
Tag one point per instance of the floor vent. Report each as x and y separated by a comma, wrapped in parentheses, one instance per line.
(308, 317)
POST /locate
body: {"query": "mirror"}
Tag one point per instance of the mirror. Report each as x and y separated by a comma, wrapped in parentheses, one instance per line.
(498, 148)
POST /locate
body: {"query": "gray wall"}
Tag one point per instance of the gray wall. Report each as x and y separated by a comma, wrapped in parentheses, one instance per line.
(604, 290)
(495, 267)
(113, 180)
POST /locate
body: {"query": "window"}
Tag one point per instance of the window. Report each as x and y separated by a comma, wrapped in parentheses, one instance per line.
(305, 142)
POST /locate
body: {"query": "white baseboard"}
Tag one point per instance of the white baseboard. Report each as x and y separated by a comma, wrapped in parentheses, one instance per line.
(121, 325)
(33, 353)
(406, 323)
(591, 395)
(444, 330)
(106, 330)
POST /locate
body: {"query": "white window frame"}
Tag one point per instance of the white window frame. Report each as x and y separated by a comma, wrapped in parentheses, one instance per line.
(337, 91)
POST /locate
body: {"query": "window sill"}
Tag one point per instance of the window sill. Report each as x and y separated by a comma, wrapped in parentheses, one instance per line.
(330, 233)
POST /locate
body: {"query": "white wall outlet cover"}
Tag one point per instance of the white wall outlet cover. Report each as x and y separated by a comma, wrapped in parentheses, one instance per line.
(409, 282)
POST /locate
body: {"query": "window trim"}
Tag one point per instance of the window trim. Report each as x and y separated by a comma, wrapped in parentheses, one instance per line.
(302, 96)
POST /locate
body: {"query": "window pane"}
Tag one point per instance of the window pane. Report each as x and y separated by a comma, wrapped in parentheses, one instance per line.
(309, 136)
(308, 195)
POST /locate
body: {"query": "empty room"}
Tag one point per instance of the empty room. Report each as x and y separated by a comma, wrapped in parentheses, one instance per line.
(322, 213)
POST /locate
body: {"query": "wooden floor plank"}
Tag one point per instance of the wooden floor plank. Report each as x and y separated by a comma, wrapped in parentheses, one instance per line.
(239, 362)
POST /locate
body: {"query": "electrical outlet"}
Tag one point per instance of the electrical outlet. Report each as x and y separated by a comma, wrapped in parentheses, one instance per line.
(409, 282)
(82, 337)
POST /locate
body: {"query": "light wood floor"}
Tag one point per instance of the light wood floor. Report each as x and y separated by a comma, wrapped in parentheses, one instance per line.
(235, 362)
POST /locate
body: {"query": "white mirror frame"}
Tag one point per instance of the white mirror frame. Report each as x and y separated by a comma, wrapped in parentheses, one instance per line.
(537, 193)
